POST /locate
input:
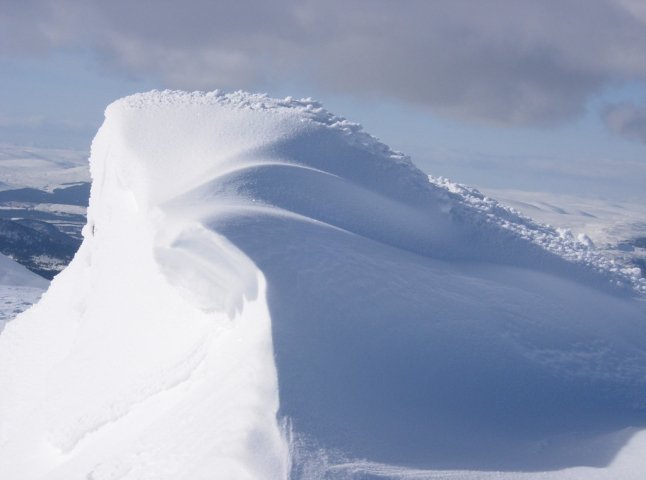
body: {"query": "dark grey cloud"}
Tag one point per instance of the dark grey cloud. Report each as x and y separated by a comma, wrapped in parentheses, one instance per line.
(627, 120)
(506, 61)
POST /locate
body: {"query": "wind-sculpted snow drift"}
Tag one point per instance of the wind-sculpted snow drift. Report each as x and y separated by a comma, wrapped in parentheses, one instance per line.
(242, 250)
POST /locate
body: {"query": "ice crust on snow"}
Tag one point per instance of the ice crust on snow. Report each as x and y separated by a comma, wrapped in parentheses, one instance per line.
(265, 291)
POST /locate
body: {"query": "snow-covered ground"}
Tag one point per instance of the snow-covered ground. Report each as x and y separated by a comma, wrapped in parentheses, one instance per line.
(19, 289)
(556, 234)
(604, 221)
(40, 168)
(614, 226)
(265, 291)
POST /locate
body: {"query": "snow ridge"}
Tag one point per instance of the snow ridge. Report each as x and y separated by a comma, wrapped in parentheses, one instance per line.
(307, 110)
(459, 199)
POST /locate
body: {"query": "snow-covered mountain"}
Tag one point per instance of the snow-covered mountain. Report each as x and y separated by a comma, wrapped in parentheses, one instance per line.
(265, 290)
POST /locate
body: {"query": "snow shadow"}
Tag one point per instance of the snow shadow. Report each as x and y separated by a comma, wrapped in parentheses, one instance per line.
(411, 331)
(404, 359)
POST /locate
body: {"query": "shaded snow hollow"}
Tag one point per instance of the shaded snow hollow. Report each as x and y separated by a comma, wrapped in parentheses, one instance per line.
(265, 291)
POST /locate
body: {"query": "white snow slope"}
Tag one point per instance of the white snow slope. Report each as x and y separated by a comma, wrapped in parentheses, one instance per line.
(19, 288)
(12, 273)
(242, 250)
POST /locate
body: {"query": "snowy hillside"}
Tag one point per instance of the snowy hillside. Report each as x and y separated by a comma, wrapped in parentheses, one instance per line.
(41, 169)
(265, 291)
(19, 289)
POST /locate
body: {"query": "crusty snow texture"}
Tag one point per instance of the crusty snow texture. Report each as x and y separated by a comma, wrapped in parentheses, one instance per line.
(560, 241)
(265, 291)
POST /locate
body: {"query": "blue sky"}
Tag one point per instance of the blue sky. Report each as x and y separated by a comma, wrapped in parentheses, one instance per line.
(548, 98)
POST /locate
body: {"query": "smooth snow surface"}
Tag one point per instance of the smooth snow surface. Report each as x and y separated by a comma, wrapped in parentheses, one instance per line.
(242, 250)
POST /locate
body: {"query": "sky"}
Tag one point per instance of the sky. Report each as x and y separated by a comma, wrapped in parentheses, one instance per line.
(507, 94)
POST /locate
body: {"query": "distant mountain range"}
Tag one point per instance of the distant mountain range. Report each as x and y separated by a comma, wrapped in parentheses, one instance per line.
(43, 198)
